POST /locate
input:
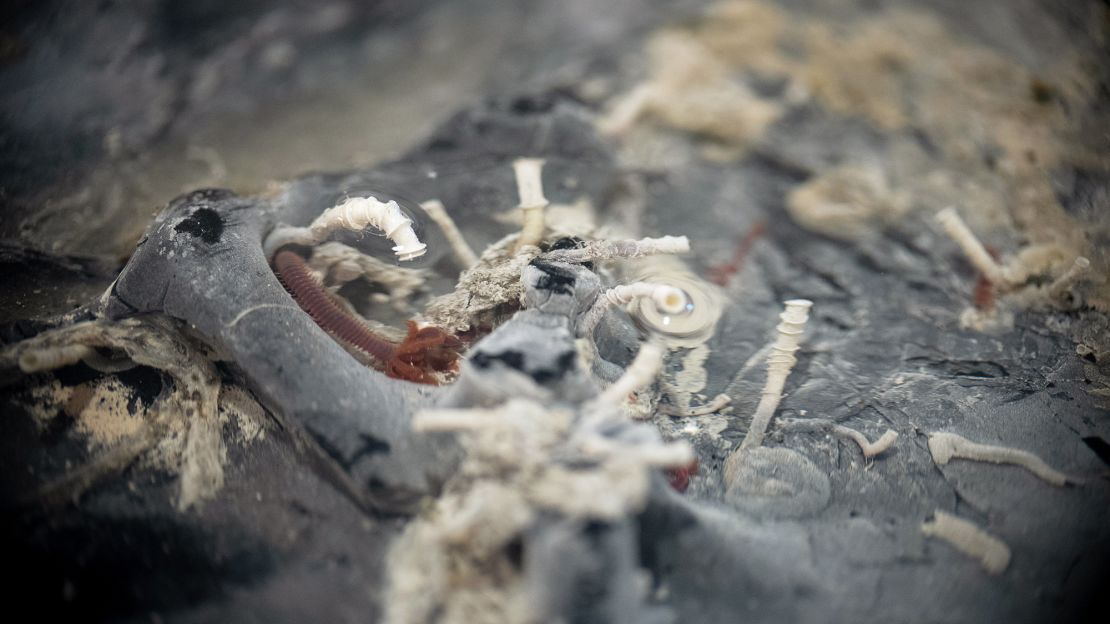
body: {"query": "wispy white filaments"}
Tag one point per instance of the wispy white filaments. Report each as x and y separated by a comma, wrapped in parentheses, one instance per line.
(667, 299)
(357, 214)
(529, 185)
(779, 364)
(948, 446)
(976, 253)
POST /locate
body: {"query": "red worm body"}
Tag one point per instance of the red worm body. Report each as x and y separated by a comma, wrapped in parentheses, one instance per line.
(313, 299)
(424, 351)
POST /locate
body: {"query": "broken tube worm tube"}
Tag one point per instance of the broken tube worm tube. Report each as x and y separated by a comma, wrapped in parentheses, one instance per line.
(779, 363)
(438, 213)
(529, 185)
(976, 253)
(1063, 284)
(50, 358)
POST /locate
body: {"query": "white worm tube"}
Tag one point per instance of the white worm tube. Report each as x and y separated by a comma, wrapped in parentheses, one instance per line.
(50, 358)
(1064, 283)
(948, 446)
(627, 111)
(663, 455)
(870, 449)
(779, 363)
(667, 299)
(971, 246)
(992, 553)
(625, 249)
(438, 213)
(529, 185)
(355, 213)
(430, 420)
(716, 404)
(641, 372)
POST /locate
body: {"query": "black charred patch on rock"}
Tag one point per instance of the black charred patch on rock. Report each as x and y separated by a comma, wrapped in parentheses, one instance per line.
(555, 279)
(205, 224)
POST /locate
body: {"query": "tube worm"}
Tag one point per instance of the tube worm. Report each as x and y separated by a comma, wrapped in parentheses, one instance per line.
(716, 404)
(40, 360)
(50, 358)
(438, 213)
(355, 213)
(779, 364)
(947, 446)
(668, 299)
(989, 551)
(976, 253)
(529, 184)
(870, 449)
(641, 372)
(625, 249)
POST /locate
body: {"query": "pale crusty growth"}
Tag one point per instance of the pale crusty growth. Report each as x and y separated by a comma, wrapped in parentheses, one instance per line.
(40, 360)
(438, 213)
(339, 264)
(523, 461)
(486, 293)
(948, 446)
(964, 96)
(848, 203)
(691, 90)
(182, 435)
(99, 409)
(992, 553)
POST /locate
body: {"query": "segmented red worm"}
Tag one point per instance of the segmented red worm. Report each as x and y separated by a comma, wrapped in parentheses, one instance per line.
(313, 299)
